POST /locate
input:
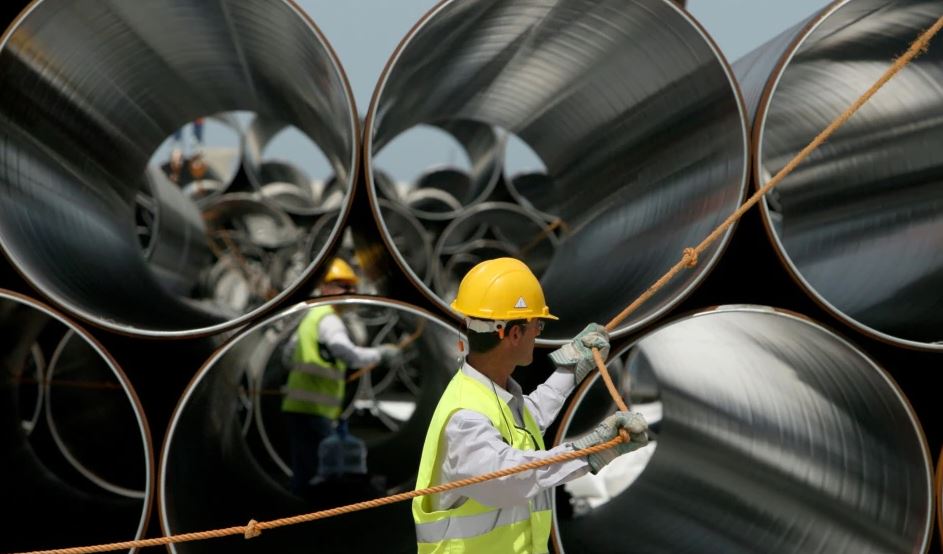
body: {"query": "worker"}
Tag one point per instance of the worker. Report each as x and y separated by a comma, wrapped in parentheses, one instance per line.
(196, 165)
(314, 393)
(484, 423)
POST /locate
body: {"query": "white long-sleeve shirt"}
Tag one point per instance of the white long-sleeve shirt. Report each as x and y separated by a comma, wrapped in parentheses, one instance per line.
(473, 446)
(333, 333)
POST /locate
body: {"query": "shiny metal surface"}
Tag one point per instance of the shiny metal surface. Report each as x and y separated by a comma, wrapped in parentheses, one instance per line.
(81, 395)
(632, 110)
(260, 222)
(490, 230)
(440, 193)
(177, 251)
(939, 494)
(31, 395)
(410, 238)
(860, 223)
(98, 419)
(772, 435)
(92, 88)
(217, 469)
(289, 187)
(309, 197)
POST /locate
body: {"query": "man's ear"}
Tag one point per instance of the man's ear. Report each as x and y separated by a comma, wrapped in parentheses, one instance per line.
(515, 333)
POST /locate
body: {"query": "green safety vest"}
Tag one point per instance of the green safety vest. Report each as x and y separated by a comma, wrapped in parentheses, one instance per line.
(474, 527)
(316, 381)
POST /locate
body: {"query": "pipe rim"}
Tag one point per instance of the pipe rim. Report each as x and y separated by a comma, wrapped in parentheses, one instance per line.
(126, 386)
(756, 147)
(886, 377)
(207, 366)
(705, 266)
(89, 317)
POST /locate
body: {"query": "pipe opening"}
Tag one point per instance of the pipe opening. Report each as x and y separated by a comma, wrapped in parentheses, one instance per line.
(76, 447)
(631, 109)
(93, 90)
(228, 455)
(772, 434)
(859, 224)
(291, 170)
(459, 171)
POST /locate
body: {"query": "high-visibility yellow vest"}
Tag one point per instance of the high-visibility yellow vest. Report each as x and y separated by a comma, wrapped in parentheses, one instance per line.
(474, 527)
(316, 381)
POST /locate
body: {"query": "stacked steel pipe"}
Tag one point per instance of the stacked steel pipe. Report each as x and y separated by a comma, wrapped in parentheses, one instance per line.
(638, 122)
(226, 452)
(91, 89)
(76, 448)
(772, 434)
(800, 422)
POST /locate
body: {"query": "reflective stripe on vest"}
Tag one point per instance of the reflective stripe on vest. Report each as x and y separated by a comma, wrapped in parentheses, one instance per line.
(318, 371)
(313, 397)
(315, 385)
(472, 526)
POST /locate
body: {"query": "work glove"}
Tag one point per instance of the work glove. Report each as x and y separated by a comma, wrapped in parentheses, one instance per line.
(578, 354)
(389, 353)
(632, 422)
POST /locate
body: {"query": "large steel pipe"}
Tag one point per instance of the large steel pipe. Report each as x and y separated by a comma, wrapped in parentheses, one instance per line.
(772, 435)
(860, 223)
(92, 88)
(81, 472)
(630, 106)
(939, 496)
(225, 457)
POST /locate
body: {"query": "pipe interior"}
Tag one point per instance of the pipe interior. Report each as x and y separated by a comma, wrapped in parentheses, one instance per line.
(628, 105)
(292, 182)
(76, 448)
(92, 89)
(227, 458)
(771, 435)
(860, 222)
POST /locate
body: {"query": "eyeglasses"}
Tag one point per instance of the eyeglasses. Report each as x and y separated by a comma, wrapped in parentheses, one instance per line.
(540, 326)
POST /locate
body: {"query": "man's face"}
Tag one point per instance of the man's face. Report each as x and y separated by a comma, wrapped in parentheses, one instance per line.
(522, 341)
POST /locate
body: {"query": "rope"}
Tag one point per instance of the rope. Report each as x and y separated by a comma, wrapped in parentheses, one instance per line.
(254, 528)
(689, 259)
(71, 383)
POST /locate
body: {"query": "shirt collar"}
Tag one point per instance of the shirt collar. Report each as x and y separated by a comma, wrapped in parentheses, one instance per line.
(513, 391)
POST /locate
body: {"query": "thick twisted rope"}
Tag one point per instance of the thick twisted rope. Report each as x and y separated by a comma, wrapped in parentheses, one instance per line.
(688, 260)
(255, 528)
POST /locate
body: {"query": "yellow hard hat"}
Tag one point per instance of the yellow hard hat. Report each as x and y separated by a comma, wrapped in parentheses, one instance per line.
(340, 271)
(501, 289)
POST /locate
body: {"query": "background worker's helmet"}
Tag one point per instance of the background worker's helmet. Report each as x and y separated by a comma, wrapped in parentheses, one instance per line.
(340, 271)
(500, 290)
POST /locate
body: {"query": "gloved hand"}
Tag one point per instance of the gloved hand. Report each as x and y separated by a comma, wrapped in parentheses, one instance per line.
(632, 422)
(578, 355)
(389, 353)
